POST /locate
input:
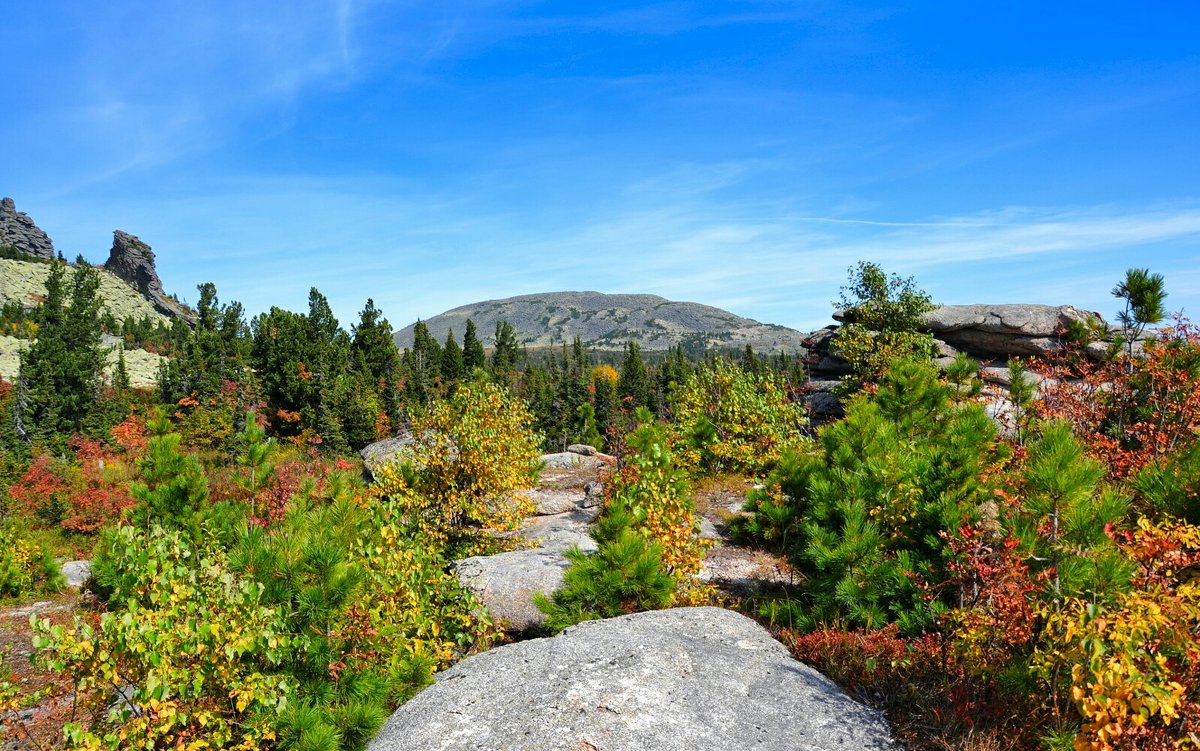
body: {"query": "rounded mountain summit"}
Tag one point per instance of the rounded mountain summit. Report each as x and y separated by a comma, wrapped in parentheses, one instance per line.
(607, 322)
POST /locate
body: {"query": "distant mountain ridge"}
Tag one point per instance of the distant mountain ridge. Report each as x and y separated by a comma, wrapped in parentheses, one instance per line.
(605, 322)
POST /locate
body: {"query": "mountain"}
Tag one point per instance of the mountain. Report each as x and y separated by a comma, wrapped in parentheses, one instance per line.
(606, 322)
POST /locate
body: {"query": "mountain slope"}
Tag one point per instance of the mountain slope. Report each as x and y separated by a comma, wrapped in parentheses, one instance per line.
(606, 322)
(24, 282)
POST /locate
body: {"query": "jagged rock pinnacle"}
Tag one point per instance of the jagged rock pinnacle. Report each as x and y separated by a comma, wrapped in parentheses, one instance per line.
(19, 232)
(133, 260)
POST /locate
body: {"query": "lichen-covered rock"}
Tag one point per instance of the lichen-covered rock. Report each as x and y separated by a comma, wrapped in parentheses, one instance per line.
(18, 231)
(689, 679)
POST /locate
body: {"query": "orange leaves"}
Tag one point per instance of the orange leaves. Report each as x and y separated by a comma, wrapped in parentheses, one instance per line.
(287, 416)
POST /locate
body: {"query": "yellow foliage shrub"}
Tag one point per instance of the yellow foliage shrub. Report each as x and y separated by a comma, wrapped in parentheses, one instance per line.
(471, 453)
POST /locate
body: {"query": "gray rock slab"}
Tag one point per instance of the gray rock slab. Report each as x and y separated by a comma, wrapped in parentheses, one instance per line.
(548, 502)
(561, 531)
(689, 679)
(1002, 330)
(570, 460)
(77, 572)
(386, 451)
(1018, 319)
(582, 449)
(506, 583)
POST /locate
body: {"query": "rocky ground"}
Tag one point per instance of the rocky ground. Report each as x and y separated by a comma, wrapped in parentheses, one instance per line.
(38, 727)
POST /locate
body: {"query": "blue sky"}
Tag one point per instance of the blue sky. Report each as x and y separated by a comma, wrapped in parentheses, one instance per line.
(739, 154)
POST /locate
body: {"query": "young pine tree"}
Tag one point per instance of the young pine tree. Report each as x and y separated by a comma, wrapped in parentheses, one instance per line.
(625, 575)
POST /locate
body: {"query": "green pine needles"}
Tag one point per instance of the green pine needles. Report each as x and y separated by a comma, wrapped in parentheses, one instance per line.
(861, 513)
(626, 575)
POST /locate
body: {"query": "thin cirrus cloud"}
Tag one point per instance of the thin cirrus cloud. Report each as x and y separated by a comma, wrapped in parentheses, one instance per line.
(419, 255)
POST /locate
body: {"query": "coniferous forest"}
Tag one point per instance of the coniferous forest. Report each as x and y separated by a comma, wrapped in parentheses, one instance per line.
(994, 571)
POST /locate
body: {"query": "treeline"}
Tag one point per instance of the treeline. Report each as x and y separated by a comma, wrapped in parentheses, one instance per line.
(317, 383)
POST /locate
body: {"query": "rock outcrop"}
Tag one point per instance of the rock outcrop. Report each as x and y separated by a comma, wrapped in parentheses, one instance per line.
(19, 232)
(506, 583)
(133, 260)
(1000, 331)
(384, 452)
(672, 680)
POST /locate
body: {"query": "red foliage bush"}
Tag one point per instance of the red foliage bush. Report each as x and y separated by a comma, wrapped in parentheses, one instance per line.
(1129, 411)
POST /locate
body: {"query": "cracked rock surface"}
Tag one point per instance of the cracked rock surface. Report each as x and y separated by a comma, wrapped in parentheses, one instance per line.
(688, 678)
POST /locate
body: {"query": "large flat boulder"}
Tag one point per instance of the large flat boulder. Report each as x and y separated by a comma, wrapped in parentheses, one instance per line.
(1003, 330)
(689, 679)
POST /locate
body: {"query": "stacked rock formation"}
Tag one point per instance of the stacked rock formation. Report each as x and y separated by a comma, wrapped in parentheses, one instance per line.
(18, 232)
(133, 260)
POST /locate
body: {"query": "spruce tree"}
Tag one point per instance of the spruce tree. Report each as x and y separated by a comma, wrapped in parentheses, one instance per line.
(507, 351)
(634, 383)
(61, 372)
(452, 359)
(473, 354)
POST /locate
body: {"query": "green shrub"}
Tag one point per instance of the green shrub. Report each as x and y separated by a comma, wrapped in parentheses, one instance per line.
(883, 316)
(657, 493)
(25, 566)
(187, 650)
